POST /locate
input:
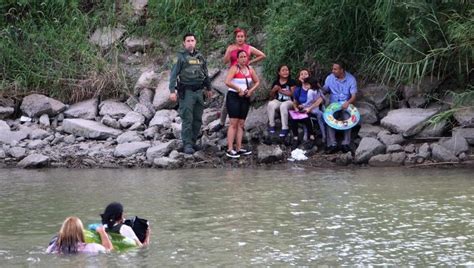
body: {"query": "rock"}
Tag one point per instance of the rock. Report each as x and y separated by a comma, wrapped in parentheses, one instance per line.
(114, 109)
(146, 96)
(176, 129)
(456, 144)
(150, 132)
(209, 115)
(70, 139)
(147, 111)
(466, 133)
(85, 109)
(110, 122)
(89, 129)
(161, 99)
(410, 148)
(4, 125)
(367, 130)
(163, 118)
(218, 83)
(375, 94)
(269, 153)
(256, 117)
(388, 160)
(166, 162)
(465, 116)
(17, 152)
(394, 148)
(426, 85)
(132, 101)
(388, 139)
(135, 44)
(36, 144)
(131, 118)
(368, 147)
(344, 159)
(147, 80)
(129, 136)
(106, 36)
(35, 105)
(407, 121)
(131, 148)
(433, 130)
(160, 150)
(38, 134)
(417, 102)
(368, 112)
(6, 112)
(33, 160)
(12, 137)
(2, 154)
(44, 120)
(442, 154)
(139, 7)
(463, 157)
(424, 151)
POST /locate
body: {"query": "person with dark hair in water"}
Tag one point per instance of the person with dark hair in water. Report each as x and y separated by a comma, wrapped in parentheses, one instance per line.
(113, 221)
(70, 239)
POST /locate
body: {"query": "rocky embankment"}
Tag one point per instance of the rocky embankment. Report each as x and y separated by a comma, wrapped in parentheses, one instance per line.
(144, 131)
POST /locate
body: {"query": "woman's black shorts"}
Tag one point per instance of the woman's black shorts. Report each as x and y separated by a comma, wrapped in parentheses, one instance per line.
(237, 107)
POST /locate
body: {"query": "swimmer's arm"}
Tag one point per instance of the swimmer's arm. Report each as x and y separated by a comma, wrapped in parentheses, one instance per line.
(104, 238)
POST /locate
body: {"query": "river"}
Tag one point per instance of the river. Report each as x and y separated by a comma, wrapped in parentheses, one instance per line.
(243, 217)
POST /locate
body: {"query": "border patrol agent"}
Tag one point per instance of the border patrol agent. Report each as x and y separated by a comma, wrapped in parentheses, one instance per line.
(190, 76)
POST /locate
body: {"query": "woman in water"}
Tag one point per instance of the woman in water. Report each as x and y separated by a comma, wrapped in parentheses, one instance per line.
(280, 95)
(113, 221)
(242, 82)
(230, 57)
(71, 239)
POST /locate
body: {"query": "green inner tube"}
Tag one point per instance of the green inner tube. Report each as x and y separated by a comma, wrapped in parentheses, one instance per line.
(119, 241)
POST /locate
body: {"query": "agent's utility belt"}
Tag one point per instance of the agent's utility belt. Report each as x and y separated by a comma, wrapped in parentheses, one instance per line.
(189, 87)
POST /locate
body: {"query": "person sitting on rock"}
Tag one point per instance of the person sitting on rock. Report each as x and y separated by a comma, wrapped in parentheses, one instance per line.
(342, 88)
(280, 95)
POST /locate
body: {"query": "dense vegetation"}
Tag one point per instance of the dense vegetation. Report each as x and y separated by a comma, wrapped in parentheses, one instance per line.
(45, 44)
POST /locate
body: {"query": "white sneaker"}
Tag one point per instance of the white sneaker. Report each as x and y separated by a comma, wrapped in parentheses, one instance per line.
(232, 154)
(244, 152)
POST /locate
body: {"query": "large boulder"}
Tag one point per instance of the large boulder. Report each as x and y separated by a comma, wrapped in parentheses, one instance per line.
(218, 82)
(89, 129)
(146, 110)
(426, 85)
(368, 147)
(456, 144)
(162, 93)
(85, 109)
(35, 105)
(147, 80)
(465, 116)
(160, 149)
(367, 130)
(136, 44)
(38, 134)
(209, 115)
(106, 36)
(257, 117)
(163, 118)
(166, 162)
(368, 112)
(269, 153)
(131, 148)
(12, 137)
(388, 160)
(407, 121)
(34, 161)
(131, 118)
(375, 94)
(441, 154)
(467, 133)
(433, 130)
(17, 152)
(4, 125)
(114, 109)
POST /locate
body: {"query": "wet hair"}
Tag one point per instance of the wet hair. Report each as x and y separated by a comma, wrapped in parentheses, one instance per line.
(240, 52)
(187, 35)
(279, 69)
(113, 212)
(70, 235)
(238, 30)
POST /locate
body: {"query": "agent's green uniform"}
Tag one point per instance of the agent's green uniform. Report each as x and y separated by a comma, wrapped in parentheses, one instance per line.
(191, 73)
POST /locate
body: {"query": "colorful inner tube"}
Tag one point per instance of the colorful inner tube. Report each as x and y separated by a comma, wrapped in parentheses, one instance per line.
(119, 242)
(341, 124)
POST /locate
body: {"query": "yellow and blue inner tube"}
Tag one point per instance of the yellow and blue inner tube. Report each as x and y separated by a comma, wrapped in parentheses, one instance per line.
(346, 124)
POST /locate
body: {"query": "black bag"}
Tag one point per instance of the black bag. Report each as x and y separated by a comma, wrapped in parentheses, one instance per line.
(139, 226)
